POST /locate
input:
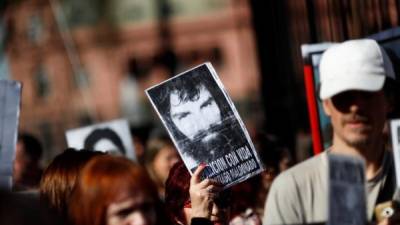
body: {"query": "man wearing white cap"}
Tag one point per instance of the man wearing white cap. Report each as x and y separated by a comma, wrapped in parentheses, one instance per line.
(354, 77)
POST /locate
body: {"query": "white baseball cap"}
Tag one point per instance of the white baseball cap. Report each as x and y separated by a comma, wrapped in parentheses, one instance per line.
(354, 65)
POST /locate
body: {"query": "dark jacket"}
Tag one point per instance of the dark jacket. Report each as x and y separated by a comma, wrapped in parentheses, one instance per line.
(200, 221)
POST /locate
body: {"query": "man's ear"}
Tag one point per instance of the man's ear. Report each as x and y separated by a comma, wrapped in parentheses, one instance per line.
(327, 105)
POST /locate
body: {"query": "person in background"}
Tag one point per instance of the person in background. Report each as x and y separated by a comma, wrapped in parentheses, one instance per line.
(27, 170)
(248, 197)
(192, 201)
(357, 82)
(113, 190)
(161, 155)
(271, 151)
(59, 178)
(285, 159)
(244, 202)
(140, 136)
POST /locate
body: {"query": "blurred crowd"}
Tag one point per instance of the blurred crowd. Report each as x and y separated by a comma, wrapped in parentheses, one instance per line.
(358, 92)
(82, 187)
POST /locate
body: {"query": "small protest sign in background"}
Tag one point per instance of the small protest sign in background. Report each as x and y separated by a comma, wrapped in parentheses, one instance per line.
(113, 137)
(10, 101)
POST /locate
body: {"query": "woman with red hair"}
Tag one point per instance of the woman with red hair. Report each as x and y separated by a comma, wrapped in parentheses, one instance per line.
(192, 201)
(59, 178)
(114, 191)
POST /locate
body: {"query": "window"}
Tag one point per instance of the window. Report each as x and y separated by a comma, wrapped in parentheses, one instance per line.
(81, 78)
(42, 83)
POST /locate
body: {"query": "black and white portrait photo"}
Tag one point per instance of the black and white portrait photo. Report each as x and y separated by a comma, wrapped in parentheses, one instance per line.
(203, 123)
(100, 137)
(112, 137)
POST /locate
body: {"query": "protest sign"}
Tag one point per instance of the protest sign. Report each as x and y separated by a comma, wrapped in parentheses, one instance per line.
(113, 137)
(10, 101)
(205, 126)
(395, 136)
(347, 204)
(320, 123)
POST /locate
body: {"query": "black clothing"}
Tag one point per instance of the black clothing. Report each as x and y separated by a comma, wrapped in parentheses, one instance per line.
(200, 221)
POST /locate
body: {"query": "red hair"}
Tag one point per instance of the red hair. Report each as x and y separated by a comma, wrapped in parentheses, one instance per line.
(177, 191)
(102, 180)
(59, 178)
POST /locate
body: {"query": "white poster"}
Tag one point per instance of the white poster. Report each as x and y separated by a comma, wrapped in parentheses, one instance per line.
(10, 101)
(113, 137)
(347, 203)
(205, 126)
(395, 132)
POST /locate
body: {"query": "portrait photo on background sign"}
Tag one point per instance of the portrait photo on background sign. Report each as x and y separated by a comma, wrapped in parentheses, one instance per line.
(113, 137)
(205, 126)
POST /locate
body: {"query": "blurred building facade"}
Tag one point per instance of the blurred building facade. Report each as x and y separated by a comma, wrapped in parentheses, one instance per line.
(83, 62)
(88, 61)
